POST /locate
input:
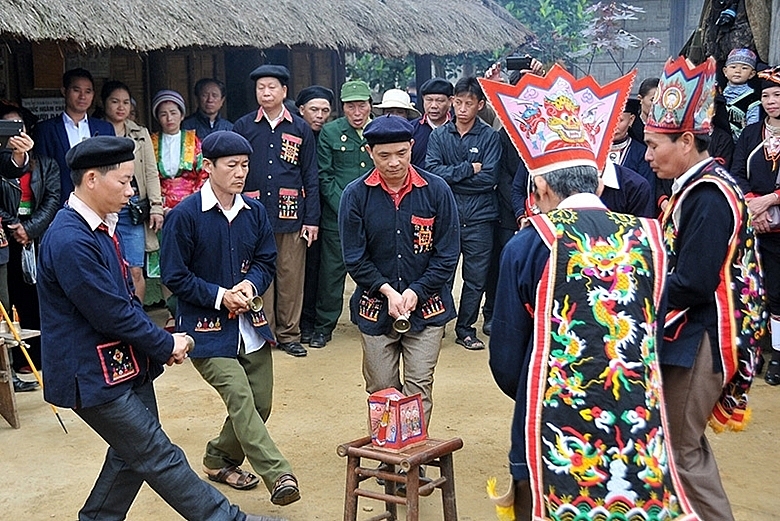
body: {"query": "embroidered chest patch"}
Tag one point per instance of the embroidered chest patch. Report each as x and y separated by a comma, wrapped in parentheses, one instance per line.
(291, 147)
(423, 233)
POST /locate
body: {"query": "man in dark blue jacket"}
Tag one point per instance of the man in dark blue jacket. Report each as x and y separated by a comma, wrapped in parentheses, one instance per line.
(465, 153)
(399, 234)
(214, 291)
(436, 94)
(283, 169)
(211, 96)
(101, 351)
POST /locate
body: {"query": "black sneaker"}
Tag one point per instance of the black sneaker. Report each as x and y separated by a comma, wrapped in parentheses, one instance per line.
(400, 489)
(23, 386)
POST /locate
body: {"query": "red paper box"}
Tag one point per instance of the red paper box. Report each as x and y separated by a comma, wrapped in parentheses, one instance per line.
(396, 421)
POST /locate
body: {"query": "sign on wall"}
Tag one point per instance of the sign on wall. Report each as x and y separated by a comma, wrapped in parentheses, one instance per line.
(44, 108)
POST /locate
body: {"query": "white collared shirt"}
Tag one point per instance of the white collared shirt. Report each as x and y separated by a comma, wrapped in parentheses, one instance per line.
(77, 132)
(582, 200)
(609, 176)
(680, 181)
(92, 218)
(252, 339)
(278, 119)
(678, 184)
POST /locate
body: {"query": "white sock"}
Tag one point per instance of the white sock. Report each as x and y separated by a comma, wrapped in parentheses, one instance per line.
(775, 327)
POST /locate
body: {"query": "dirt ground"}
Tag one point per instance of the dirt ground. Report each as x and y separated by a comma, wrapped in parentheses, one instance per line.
(320, 402)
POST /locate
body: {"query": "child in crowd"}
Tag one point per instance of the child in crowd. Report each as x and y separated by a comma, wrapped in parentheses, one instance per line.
(742, 101)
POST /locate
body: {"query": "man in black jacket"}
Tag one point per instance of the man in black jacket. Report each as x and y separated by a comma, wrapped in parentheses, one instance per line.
(465, 153)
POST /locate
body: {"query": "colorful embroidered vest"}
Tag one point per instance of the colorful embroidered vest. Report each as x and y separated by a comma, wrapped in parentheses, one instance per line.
(739, 298)
(597, 445)
(175, 186)
(191, 158)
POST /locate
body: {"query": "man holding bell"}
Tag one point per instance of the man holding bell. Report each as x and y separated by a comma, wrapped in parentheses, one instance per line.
(218, 253)
(100, 350)
(399, 231)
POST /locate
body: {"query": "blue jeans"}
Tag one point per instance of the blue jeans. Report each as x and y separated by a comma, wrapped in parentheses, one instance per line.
(133, 239)
(140, 451)
(476, 245)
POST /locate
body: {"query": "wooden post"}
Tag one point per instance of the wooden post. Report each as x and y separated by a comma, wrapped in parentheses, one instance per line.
(774, 34)
(7, 396)
(422, 73)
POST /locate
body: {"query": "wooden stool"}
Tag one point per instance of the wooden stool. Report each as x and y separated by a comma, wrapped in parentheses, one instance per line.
(436, 453)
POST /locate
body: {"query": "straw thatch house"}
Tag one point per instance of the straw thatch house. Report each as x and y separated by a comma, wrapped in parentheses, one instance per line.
(172, 43)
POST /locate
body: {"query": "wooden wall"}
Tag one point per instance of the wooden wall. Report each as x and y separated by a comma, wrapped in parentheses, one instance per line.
(34, 71)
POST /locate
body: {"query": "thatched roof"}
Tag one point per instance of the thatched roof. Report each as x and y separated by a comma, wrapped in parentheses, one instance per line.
(388, 27)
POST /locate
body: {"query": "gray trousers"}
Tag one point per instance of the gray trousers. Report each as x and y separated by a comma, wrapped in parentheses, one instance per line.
(420, 352)
(690, 395)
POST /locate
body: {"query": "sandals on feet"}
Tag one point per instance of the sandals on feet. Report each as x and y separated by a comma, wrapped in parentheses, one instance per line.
(285, 490)
(244, 480)
(471, 342)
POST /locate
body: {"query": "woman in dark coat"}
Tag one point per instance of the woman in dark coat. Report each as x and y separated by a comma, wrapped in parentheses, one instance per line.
(756, 166)
(27, 207)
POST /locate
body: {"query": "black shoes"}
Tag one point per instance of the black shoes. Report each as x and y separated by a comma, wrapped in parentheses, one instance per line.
(487, 327)
(23, 386)
(319, 340)
(772, 375)
(292, 348)
(306, 337)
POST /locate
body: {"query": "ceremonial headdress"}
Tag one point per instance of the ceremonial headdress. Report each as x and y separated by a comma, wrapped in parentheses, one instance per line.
(770, 77)
(684, 99)
(556, 121)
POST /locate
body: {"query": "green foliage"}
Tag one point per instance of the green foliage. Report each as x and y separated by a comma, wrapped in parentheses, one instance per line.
(559, 27)
(557, 24)
(379, 72)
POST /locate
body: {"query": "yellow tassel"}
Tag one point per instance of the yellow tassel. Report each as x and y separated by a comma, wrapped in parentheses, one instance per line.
(731, 425)
(503, 513)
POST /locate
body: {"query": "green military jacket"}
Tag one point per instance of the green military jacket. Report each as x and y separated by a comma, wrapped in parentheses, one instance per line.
(342, 156)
